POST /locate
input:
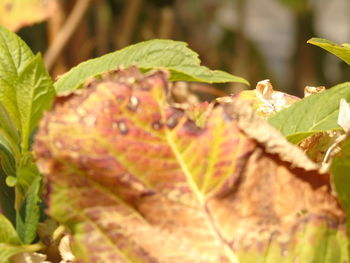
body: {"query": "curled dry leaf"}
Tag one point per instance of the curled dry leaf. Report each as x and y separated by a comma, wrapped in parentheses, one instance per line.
(273, 141)
(317, 145)
(264, 99)
(344, 115)
(65, 250)
(320, 147)
(310, 90)
(29, 257)
(137, 181)
(46, 231)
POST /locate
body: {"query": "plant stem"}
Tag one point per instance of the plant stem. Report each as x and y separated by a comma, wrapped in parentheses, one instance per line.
(66, 32)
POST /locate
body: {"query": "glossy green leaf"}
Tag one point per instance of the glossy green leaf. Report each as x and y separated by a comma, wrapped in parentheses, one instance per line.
(137, 181)
(27, 218)
(7, 233)
(35, 94)
(313, 114)
(26, 90)
(175, 56)
(9, 240)
(14, 57)
(341, 51)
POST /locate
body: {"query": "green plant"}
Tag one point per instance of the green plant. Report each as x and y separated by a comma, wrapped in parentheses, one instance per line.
(132, 177)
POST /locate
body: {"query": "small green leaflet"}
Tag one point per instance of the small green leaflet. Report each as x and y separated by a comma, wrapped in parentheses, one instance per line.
(341, 51)
(14, 57)
(7, 232)
(35, 94)
(313, 114)
(26, 89)
(27, 218)
(175, 56)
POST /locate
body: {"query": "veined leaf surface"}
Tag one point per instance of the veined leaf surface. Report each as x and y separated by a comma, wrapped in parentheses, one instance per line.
(341, 51)
(25, 88)
(175, 56)
(313, 114)
(28, 216)
(14, 57)
(34, 94)
(137, 181)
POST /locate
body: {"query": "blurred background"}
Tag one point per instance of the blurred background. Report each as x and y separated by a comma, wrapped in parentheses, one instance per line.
(254, 39)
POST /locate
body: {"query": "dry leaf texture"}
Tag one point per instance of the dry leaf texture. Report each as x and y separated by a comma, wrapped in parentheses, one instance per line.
(137, 181)
(263, 99)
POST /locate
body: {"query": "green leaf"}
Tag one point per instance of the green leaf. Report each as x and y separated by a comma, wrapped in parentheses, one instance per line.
(313, 114)
(9, 134)
(341, 51)
(27, 172)
(10, 243)
(35, 94)
(182, 62)
(27, 218)
(25, 90)
(7, 233)
(14, 57)
(7, 251)
(137, 181)
(9, 240)
(340, 168)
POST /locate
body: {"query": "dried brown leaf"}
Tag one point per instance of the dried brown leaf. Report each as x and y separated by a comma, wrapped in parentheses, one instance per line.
(137, 181)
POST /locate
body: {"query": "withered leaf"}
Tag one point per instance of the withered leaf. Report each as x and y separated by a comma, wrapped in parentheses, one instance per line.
(137, 181)
(263, 99)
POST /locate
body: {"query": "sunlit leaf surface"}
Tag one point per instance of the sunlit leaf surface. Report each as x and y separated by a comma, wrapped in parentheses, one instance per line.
(311, 115)
(137, 181)
(341, 51)
(182, 62)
